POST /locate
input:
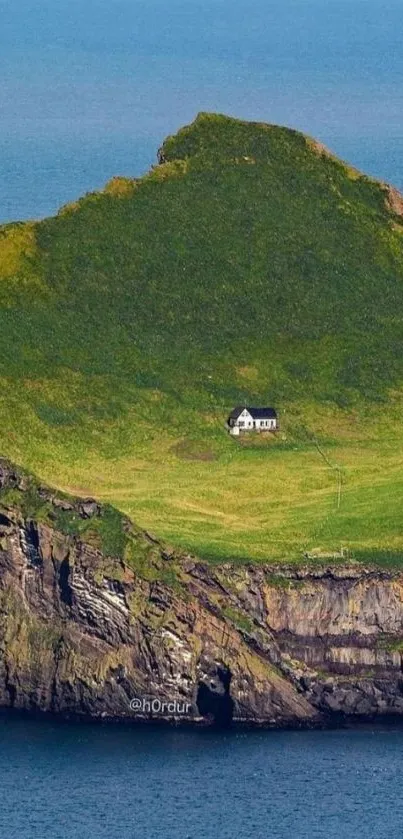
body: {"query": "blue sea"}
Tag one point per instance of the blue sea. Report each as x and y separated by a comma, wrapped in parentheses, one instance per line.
(90, 88)
(81, 781)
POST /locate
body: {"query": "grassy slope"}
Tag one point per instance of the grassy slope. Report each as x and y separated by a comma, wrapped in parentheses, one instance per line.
(247, 266)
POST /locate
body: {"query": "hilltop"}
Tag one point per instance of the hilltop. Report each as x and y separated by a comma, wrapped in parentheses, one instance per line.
(249, 265)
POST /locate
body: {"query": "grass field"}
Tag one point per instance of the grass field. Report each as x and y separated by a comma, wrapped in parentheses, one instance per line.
(247, 267)
(270, 497)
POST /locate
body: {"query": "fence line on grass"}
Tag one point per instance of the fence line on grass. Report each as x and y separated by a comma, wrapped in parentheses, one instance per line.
(333, 466)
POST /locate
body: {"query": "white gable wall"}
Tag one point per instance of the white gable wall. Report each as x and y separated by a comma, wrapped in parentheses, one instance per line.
(245, 420)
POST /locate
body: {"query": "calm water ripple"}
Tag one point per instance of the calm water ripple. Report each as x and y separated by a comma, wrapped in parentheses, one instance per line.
(70, 782)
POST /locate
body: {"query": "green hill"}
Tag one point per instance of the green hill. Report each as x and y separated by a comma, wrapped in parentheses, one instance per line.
(249, 265)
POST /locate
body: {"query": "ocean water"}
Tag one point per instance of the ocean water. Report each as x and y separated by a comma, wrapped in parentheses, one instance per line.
(90, 782)
(90, 89)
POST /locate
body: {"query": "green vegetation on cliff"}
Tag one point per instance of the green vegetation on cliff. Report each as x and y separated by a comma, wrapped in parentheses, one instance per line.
(25, 501)
(249, 265)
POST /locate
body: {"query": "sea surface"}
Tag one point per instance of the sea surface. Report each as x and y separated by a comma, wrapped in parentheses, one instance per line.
(80, 781)
(89, 89)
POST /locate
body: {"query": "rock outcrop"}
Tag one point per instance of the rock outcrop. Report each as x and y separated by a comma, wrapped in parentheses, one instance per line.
(144, 632)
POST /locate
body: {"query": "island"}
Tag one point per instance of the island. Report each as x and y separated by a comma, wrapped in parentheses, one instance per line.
(154, 566)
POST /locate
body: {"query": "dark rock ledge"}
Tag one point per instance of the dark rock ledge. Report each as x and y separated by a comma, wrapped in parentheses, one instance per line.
(100, 620)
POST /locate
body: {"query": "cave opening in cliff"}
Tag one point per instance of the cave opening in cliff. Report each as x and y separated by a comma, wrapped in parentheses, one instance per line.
(214, 699)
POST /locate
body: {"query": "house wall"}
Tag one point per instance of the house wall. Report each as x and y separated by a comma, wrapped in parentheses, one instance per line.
(245, 422)
(265, 425)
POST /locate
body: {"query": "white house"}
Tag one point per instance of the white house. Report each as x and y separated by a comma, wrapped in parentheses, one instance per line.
(252, 419)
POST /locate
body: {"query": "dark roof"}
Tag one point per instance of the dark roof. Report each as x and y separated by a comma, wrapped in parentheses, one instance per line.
(256, 413)
(236, 412)
(262, 413)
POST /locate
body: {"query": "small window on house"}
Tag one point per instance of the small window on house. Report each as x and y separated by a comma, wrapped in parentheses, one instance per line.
(241, 424)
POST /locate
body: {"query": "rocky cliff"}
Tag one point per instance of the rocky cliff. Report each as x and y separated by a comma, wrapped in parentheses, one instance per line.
(99, 619)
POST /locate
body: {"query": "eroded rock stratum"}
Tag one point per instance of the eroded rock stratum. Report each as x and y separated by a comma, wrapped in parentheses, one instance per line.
(152, 633)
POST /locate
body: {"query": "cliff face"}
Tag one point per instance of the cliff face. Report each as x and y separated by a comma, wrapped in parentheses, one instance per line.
(85, 633)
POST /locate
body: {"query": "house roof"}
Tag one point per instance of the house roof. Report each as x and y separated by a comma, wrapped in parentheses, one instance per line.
(262, 413)
(237, 411)
(256, 413)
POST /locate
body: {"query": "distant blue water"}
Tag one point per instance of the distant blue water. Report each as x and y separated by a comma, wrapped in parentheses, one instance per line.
(87, 782)
(90, 89)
